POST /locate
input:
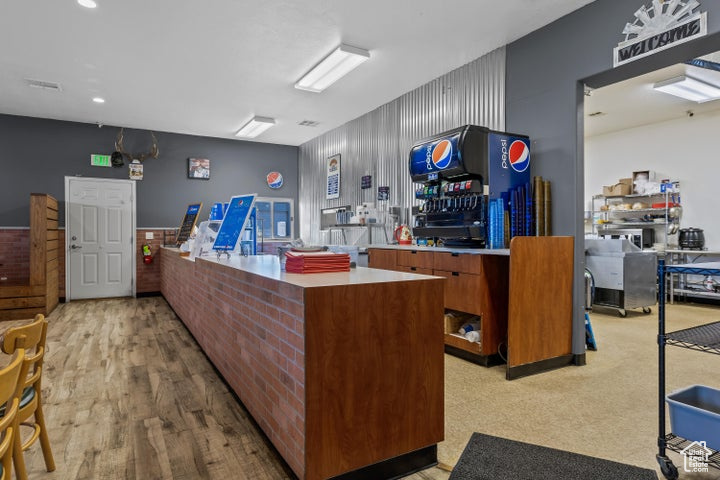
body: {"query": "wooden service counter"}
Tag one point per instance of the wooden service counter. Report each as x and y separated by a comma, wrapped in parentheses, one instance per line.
(342, 371)
(523, 294)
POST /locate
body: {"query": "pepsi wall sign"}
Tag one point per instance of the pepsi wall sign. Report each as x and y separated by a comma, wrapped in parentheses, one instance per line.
(274, 180)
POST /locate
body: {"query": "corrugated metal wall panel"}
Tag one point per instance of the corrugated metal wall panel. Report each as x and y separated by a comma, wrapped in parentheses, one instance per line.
(378, 143)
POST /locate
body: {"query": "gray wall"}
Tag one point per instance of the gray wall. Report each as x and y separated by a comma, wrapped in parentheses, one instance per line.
(545, 73)
(379, 142)
(36, 154)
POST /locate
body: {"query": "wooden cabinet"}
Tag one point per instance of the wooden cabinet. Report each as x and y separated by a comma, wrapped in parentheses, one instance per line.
(465, 290)
(458, 262)
(415, 258)
(528, 319)
(462, 291)
(418, 270)
(382, 258)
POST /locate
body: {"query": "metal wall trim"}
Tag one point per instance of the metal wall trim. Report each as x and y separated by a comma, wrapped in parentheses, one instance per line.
(378, 143)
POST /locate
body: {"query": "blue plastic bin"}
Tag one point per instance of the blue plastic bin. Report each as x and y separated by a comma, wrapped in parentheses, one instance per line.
(695, 414)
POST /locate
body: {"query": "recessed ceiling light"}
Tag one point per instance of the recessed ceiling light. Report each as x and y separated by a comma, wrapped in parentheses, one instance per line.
(98, 100)
(87, 3)
(255, 127)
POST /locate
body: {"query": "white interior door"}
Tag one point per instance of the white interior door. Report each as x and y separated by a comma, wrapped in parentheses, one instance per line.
(99, 237)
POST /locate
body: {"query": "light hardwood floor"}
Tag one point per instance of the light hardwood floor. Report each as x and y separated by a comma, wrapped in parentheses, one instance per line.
(129, 395)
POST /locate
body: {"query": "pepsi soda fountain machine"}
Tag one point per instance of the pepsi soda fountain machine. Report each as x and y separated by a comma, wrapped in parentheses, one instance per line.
(469, 178)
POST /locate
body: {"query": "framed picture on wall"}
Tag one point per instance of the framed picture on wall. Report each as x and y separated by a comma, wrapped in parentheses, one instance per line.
(199, 168)
(333, 177)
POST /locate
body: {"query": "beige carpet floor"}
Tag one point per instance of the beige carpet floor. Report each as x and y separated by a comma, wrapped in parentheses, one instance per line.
(606, 409)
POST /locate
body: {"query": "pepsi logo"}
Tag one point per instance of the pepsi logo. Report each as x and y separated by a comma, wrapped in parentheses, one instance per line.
(274, 180)
(442, 154)
(519, 156)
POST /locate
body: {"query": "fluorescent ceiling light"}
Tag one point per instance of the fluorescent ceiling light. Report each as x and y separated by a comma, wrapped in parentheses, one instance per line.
(689, 88)
(340, 62)
(87, 3)
(98, 100)
(255, 127)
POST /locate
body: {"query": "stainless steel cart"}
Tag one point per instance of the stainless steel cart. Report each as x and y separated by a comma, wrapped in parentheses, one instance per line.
(625, 276)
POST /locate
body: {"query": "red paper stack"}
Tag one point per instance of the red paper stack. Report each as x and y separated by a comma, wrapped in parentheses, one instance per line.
(317, 262)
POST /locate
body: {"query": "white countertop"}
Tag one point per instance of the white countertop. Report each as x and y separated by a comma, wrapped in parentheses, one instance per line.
(268, 266)
(423, 248)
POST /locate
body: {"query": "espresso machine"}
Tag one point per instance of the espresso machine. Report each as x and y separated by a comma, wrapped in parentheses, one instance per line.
(460, 172)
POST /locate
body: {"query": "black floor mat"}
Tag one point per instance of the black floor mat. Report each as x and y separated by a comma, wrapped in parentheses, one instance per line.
(493, 458)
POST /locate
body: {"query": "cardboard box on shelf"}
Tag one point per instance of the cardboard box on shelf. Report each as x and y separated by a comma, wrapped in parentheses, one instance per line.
(617, 190)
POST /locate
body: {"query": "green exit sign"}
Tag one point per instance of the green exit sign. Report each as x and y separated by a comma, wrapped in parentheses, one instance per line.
(100, 160)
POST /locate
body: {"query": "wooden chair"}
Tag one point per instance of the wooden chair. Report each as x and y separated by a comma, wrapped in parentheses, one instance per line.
(10, 390)
(34, 334)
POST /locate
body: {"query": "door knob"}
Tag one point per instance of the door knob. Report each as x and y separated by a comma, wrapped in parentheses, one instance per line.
(75, 247)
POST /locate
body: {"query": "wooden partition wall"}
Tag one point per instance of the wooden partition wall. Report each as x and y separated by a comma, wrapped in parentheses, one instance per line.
(540, 304)
(41, 294)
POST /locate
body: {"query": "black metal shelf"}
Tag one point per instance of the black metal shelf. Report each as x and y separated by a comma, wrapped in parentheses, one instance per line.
(678, 444)
(704, 338)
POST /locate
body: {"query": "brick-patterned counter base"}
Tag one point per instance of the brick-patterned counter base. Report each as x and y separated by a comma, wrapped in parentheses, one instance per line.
(253, 335)
(339, 375)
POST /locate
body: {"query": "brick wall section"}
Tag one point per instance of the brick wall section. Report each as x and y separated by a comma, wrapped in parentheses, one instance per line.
(15, 256)
(15, 259)
(252, 329)
(148, 275)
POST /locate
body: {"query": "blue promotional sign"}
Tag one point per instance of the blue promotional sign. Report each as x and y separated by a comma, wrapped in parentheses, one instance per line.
(234, 222)
(508, 162)
(440, 154)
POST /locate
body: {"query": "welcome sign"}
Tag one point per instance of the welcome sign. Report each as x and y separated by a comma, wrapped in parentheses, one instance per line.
(665, 24)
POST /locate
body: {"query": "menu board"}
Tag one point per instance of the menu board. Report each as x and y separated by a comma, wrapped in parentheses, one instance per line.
(188, 223)
(234, 222)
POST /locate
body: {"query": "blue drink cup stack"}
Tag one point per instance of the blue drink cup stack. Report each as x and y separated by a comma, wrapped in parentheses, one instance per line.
(216, 212)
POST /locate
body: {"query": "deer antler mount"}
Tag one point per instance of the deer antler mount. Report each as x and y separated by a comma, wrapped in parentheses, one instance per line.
(153, 153)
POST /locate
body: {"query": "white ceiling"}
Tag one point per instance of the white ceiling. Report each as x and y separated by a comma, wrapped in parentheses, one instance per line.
(205, 68)
(634, 102)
